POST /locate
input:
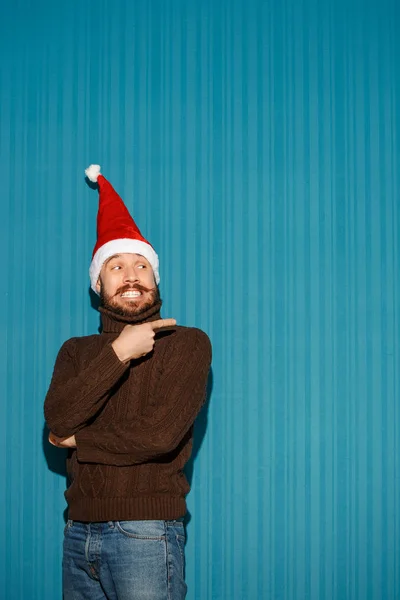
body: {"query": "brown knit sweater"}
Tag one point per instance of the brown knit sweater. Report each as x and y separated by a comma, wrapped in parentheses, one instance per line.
(132, 422)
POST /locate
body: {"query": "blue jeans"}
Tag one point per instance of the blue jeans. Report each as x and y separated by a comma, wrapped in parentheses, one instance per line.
(124, 560)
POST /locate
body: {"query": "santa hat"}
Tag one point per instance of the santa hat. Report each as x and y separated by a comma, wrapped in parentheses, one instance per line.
(117, 232)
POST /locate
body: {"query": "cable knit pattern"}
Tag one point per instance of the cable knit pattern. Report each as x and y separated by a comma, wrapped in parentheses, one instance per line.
(132, 422)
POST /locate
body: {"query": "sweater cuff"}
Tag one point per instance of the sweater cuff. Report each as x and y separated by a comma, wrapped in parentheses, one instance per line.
(84, 446)
(110, 362)
(88, 451)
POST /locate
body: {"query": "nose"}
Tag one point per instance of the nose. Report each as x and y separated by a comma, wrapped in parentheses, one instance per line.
(130, 275)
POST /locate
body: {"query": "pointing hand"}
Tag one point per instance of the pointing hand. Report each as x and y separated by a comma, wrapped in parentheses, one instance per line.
(135, 341)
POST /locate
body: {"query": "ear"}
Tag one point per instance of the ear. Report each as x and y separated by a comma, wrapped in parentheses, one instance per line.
(98, 285)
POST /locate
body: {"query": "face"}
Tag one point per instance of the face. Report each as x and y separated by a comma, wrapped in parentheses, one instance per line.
(126, 284)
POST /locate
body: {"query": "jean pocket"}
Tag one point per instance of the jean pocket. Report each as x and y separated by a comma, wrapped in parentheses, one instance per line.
(142, 530)
(68, 526)
(179, 530)
(180, 542)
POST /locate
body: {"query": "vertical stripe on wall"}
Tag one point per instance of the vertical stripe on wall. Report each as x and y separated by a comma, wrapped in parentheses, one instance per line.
(257, 144)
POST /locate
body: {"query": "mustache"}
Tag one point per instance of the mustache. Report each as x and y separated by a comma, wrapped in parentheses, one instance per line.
(126, 288)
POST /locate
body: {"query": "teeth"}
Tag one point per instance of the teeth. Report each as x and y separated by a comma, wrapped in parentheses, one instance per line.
(131, 294)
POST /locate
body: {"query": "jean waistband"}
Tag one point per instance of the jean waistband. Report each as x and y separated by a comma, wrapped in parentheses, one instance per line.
(112, 524)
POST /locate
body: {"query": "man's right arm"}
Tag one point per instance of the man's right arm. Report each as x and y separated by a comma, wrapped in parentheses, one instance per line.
(76, 395)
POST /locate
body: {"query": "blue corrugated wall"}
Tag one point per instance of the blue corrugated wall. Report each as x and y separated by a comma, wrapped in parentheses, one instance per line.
(258, 145)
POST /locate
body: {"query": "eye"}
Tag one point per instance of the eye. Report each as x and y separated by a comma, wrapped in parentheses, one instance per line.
(115, 267)
(142, 266)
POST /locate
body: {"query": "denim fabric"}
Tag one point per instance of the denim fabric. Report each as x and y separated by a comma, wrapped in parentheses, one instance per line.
(124, 560)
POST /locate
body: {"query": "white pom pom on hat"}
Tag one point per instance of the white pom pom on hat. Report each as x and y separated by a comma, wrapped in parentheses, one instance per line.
(93, 172)
(117, 232)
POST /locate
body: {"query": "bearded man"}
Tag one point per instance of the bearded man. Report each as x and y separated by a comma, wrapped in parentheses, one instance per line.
(124, 402)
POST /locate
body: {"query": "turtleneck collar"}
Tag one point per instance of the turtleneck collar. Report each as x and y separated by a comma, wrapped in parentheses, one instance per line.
(113, 323)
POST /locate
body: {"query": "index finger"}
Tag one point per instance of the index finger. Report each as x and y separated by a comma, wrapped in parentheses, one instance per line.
(161, 323)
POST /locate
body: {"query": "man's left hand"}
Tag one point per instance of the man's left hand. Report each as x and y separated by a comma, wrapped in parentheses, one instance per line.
(60, 442)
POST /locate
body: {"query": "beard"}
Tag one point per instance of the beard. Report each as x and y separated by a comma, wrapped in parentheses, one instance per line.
(132, 307)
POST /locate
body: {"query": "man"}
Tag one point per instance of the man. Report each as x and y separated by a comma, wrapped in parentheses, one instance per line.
(124, 403)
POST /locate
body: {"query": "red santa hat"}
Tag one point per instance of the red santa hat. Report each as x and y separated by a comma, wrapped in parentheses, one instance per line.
(117, 232)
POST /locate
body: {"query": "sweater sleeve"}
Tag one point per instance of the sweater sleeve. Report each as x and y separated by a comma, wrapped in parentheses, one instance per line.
(76, 395)
(180, 395)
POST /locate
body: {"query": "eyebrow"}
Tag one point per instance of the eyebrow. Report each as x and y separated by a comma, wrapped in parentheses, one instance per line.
(112, 258)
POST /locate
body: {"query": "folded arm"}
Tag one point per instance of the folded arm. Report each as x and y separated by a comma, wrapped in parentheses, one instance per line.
(76, 395)
(180, 396)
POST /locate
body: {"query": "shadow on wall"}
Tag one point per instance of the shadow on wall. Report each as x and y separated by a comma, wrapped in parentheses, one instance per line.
(55, 458)
(199, 431)
(95, 304)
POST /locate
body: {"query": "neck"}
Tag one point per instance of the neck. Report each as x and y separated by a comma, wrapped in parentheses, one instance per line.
(113, 323)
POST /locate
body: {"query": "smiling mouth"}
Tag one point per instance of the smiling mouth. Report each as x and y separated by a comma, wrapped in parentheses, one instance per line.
(131, 294)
